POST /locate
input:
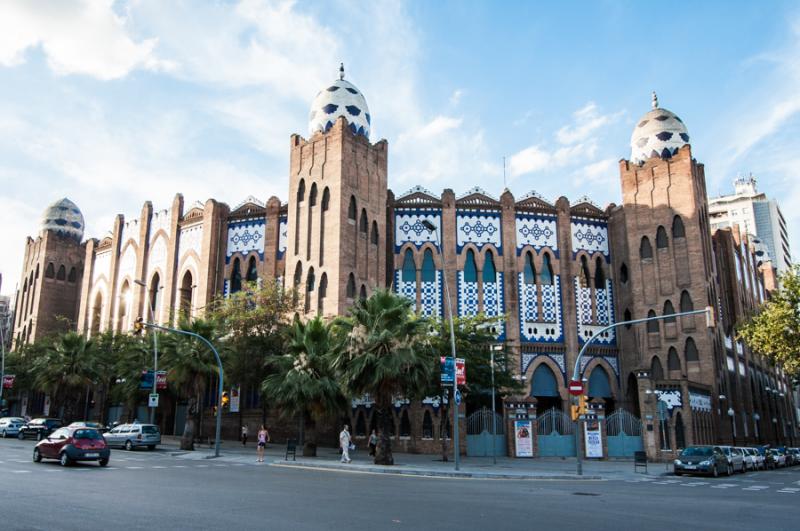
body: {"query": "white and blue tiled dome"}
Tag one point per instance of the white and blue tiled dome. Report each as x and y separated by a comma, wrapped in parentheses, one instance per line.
(659, 133)
(65, 218)
(341, 98)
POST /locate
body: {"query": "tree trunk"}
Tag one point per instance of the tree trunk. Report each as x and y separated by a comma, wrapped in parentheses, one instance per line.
(187, 439)
(445, 412)
(310, 444)
(383, 453)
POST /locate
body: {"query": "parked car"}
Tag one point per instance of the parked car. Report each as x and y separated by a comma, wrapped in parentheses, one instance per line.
(735, 459)
(130, 436)
(795, 455)
(779, 457)
(751, 458)
(69, 445)
(701, 460)
(760, 460)
(89, 424)
(9, 426)
(39, 428)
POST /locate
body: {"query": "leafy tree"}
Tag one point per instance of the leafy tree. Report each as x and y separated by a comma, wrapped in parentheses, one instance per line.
(190, 363)
(254, 320)
(384, 354)
(121, 360)
(775, 330)
(304, 384)
(66, 368)
(474, 340)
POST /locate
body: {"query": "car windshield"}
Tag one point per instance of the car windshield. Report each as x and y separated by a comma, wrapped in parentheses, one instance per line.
(696, 452)
(87, 434)
(149, 429)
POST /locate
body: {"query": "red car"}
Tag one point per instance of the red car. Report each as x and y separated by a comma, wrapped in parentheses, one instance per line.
(69, 445)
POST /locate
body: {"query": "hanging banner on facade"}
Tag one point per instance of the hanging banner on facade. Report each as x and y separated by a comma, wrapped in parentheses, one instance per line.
(46, 407)
(235, 393)
(8, 381)
(448, 369)
(593, 439)
(523, 438)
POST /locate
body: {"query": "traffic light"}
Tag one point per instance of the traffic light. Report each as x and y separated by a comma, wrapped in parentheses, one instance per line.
(582, 405)
(574, 412)
(226, 399)
(138, 326)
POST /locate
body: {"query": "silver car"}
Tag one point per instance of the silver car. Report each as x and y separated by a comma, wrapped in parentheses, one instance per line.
(130, 436)
(735, 457)
(9, 426)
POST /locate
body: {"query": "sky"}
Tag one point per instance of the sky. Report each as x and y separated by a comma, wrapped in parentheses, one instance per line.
(115, 103)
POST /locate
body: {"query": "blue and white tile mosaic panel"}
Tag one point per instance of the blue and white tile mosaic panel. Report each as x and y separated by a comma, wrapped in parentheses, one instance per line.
(408, 227)
(479, 227)
(244, 237)
(590, 236)
(538, 231)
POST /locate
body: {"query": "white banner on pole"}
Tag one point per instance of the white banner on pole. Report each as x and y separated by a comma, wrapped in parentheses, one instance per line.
(235, 394)
(593, 439)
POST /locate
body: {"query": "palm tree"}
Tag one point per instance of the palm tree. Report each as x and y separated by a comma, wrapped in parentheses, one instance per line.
(190, 363)
(305, 384)
(122, 359)
(66, 368)
(383, 354)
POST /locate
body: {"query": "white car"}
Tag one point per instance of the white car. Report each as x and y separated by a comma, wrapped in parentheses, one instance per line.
(751, 458)
(9, 426)
(130, 436)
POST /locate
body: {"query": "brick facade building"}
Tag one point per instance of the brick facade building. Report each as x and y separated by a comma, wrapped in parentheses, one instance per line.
(554, 275)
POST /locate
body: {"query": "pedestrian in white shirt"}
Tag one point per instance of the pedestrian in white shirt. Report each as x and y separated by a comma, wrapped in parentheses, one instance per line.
(344, 443)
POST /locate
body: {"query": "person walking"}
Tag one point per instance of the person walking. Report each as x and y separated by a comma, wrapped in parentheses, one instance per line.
(373, 442)
(244, 435)
(263, 439)
(344, 442)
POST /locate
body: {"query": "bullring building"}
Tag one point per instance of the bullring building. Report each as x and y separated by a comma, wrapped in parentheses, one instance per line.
(554, 274)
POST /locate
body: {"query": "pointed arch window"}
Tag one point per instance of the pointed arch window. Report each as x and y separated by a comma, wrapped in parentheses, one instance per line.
(690, 351)
(73, 275)
(599, 275)
(661, 238)
(669, 309)
(489, 271)
(236, 276)
(323, 292)
(599, 386)
(409, 271)
(50, 272)
(363, 293)
(351, 209)
(373, 237)
(428, 267)
(529, 269)
(351, 287)
(62, 273)
(656, 370)
(427, 425)
(187, 291)
(312, 195)
(470, 269)
(652, 326)
(673, 361)
(623, 273)
(645, 249)
(584, 274)
(546, 277)
(678, 230)
(252, 270)
(326, 199)
(405, 424)
(686, 302)
(301, 191)
(154, 295)
(297, 280)
(310, 285)
(544, 382)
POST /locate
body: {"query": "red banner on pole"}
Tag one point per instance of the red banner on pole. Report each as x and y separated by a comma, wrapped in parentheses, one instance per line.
(8, 381)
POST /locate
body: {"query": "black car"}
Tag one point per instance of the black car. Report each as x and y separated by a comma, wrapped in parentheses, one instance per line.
(38, 429)
(701, 460)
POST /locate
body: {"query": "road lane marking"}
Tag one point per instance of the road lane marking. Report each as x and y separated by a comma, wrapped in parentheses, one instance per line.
(20, 471)
(158, 466)
(220, 466)
(724, 486)
(756, 487)
(134, 467)
(179, 466)
(201, 466)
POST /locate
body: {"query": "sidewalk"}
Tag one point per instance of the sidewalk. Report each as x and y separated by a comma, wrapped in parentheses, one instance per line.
(552, 468)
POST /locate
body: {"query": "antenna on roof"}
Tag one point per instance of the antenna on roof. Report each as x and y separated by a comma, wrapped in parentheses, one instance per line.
(655, 100)
(341, 70)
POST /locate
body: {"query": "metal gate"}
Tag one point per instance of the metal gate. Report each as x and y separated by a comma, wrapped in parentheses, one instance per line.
(479, 434)
(555, 434)
(624, 434)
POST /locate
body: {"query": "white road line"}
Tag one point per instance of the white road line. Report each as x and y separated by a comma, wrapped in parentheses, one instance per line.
(158, 466)
(784, 491)
(756, 487)
(134, 467)
(201, 466)
(20, 471)
(20, 460)
(695, 483)
(220, 466)
(724, 486)
(242, 464)
(179, 466)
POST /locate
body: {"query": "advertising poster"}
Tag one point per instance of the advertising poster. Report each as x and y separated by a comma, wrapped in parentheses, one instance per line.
(448, 369)
(593, 440)
(235, 393)
(523, 438)
(8, 381)
(46, 408)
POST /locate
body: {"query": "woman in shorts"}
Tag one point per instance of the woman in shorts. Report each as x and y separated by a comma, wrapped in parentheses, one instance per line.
(263, 439)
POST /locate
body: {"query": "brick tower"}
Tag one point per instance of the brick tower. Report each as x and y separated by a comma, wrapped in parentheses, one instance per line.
(336, 239)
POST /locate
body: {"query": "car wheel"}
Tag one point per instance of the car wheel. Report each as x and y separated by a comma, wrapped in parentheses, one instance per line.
(678, 474)
(37, 456)
(20, 436)
(4, 434)
(104, 462)
(715, 472)
(65, 460)
(151, 447)
(128, 446)
(729, 471)
(39, 436)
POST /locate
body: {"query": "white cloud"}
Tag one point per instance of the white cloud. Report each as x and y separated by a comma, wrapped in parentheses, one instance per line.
(587, 120)
(455, 98)
(85, 37)
(530, 160)
(601, 171)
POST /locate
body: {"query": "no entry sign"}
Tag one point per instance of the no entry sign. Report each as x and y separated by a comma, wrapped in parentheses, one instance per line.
(576, 387)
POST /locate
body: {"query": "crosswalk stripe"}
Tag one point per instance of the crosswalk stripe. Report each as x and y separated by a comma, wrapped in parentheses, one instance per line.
(20, 471)
(133, 467)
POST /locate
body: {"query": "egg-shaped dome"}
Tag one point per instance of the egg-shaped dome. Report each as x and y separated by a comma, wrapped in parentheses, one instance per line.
(65, 218)
(659, 133)
(341, 98)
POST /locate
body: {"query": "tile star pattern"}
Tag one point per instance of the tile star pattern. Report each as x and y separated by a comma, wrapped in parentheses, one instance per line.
(590, 236)
(244, 237)
(408, 227)
(538, 231)
(479, 227)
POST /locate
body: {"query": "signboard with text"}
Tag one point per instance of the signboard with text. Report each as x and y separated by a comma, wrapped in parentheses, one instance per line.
(146, 382)
(448, 369)
(523, 438)
(593, 439)
(235, 394)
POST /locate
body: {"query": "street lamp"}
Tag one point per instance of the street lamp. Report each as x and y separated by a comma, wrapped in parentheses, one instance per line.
(757, 418)
(494, 423)
(151, 310)
(435, 230)
(2, 363)
(731, 414)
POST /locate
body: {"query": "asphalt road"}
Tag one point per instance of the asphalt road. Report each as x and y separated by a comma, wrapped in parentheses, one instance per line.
(155, 490)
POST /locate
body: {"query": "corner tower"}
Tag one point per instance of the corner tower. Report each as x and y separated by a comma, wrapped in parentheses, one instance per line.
(336, 237)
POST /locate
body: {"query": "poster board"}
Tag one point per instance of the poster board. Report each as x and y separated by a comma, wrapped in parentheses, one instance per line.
(523, 438)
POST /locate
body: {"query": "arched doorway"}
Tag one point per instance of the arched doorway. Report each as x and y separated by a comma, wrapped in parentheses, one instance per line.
(545, 389)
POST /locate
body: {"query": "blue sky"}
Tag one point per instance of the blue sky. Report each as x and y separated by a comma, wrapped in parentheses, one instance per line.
(114, 103)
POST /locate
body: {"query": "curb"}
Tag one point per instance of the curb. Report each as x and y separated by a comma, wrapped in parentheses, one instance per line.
(432, 473)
